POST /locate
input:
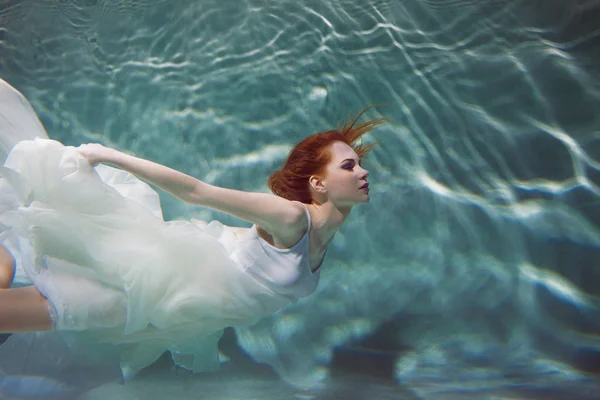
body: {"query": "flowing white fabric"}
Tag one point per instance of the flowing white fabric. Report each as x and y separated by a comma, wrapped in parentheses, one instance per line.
(18, 121)
(93, 241)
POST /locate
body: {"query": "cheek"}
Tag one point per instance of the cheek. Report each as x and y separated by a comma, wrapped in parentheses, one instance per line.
(341, 182)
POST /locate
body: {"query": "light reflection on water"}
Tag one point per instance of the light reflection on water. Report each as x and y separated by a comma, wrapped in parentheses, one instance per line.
(475, 264)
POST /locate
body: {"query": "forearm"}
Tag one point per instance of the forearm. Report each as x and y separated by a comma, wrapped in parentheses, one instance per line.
(172, 181)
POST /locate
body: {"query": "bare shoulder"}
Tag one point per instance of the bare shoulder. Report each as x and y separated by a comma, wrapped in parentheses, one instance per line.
(298, 225)
(278, 216)
(288, 235)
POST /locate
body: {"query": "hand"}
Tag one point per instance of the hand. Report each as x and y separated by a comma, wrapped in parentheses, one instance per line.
(96, 153)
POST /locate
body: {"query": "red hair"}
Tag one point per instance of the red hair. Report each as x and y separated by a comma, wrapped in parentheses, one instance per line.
(312, 154)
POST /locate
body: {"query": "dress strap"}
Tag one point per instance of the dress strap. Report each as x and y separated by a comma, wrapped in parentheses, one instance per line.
(307, 214)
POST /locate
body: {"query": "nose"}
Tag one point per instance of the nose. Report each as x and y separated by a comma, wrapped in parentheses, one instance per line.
(365, 173)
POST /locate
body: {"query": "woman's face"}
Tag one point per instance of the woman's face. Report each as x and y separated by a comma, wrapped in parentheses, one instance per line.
(345, 179)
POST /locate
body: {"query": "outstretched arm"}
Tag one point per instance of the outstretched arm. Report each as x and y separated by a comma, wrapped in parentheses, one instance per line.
(276, 215)
(177, 183)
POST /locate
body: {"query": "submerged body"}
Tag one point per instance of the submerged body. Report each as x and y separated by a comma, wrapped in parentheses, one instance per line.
(94, 244)
(102, 263)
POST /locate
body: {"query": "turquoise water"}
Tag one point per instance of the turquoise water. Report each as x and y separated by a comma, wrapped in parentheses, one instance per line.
(472, 274)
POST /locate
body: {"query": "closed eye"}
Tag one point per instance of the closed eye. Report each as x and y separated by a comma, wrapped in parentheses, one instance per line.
(350, 165)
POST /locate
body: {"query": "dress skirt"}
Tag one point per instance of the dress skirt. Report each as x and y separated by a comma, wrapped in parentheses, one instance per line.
(94, 243)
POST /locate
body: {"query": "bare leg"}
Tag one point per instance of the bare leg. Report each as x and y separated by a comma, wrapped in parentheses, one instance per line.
(23, 310)
(7, 268)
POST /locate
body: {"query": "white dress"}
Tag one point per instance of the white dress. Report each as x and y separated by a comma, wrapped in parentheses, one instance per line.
(94, 243)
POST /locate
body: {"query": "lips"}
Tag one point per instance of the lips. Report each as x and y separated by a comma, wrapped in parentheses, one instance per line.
(365, 186)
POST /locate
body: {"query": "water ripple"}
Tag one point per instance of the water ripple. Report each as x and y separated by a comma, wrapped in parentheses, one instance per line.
(485, 211)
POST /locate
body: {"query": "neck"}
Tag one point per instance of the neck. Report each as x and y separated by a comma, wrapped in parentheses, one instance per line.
(327, 220)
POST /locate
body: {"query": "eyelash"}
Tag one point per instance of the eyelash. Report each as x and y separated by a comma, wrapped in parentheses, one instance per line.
(350, 166)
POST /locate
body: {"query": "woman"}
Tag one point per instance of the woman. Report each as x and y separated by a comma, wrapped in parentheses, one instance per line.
(100, 260)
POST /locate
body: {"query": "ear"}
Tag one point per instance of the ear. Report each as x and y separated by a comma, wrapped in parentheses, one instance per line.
(317, 184)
